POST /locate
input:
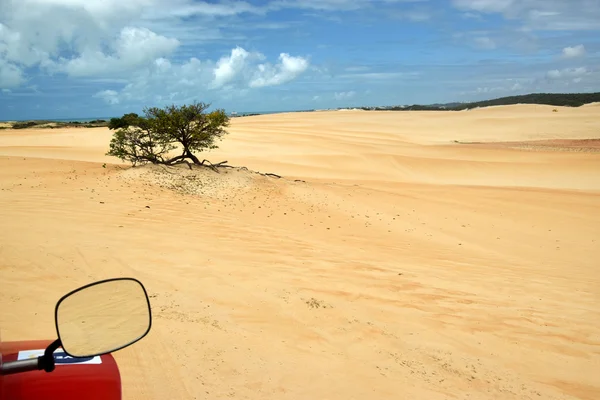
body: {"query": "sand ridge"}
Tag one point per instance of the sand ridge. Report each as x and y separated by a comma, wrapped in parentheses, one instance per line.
(404, 266)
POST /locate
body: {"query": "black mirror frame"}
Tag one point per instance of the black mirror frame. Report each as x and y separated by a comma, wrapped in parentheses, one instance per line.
(94, 284)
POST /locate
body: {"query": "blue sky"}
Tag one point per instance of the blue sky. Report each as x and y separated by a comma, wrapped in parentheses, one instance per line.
(102, 58)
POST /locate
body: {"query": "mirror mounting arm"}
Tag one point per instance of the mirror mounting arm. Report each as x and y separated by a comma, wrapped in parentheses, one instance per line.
(47, 360)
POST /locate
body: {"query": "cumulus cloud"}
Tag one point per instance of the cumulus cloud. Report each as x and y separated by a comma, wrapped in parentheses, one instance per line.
(34, 31)
(111, 39)
(567, 73)
(504, 88)
(332, 5)
(191, 8)
(233, 66)
(322, 5)
(79, 38)
(573, 52)
(482, 39)
(540, 14)
(229, 77)
(109, 96)
(11, 76)
(344, 95)
(288, 68)
(501, 87)
(134, 47)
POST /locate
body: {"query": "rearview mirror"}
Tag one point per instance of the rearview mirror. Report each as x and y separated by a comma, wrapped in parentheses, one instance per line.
(103, 317)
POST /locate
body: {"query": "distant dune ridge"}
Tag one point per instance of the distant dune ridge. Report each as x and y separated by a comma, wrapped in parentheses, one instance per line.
(418, 255)
(555, 99)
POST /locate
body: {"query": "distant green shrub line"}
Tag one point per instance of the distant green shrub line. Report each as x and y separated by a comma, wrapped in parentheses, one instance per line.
(54, 124)
(23, 125)
(551, 99)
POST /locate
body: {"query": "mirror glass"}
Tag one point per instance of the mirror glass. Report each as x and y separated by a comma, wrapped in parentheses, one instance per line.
(103, 317)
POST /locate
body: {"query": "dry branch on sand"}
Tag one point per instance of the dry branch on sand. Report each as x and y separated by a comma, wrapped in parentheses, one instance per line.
(223, 164)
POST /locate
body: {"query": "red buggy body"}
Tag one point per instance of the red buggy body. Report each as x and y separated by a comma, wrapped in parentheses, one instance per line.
(92, 322)
(92, 378)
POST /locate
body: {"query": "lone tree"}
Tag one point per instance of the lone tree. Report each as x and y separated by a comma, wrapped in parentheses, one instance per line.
(150, 139)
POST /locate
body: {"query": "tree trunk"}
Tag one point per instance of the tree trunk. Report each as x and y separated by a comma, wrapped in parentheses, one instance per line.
(192, 157)
(174, 159)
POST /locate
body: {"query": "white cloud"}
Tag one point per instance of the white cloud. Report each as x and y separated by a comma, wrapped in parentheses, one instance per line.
(35, 31)
(486, 6)
(500, 87)
(10, 75)
(358, 68)
(229, 77)
(111, 39)
(516, 86)
(567, 76)
(322, 5)
(344, 95)
(540, 14)
(470, 15)
(414, 15)
(133, 48)
(485, 42)
(238, 68)
(567, 73)
(578, 79)
(379, 76)
(109, 96)
(316, 98)
(77, 37)
(288, 68)
(573, 52)
(418, 16)
(332, 5)
(192, 8)
(232, 66)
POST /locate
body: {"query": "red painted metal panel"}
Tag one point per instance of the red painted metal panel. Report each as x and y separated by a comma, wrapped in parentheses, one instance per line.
(68, 381)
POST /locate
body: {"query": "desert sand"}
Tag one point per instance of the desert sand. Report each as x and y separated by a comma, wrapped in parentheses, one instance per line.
(410, 255)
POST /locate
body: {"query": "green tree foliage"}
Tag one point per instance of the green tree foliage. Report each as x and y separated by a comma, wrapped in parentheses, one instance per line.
(125, 121)
(139, 145)
(151, 138)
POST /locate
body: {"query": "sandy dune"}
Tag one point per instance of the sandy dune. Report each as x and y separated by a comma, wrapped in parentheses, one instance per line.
(390, 262)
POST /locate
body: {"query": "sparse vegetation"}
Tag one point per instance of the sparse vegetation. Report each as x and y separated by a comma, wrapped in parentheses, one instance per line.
(23, 125)
(151, 138)
(553, 99)
(314, 303)
(58, 124)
